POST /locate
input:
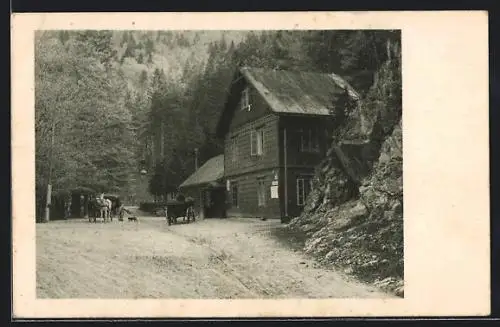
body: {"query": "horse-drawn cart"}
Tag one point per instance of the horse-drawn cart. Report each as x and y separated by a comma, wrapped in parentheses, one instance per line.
(180, 208)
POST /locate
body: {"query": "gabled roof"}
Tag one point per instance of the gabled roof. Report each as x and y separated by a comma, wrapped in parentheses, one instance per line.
(210, 172)
(288, 92)
(297, 92)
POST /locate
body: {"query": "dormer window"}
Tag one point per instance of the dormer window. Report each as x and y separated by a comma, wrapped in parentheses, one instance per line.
(245, 100)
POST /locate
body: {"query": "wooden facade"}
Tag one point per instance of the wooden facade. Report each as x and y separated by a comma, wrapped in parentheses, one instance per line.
(265, 147)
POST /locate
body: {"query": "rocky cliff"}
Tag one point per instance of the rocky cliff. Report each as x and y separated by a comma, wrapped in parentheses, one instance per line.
(354, 215)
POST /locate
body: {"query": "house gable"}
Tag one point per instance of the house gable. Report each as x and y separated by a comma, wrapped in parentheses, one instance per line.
(246, 111)
(237, 111)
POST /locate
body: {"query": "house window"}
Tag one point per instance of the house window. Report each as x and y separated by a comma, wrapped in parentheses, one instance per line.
(245, 100)
(257, 142)
(304, 187)
(234, 150)
(234, 194)
(261, 192)
(309, 140)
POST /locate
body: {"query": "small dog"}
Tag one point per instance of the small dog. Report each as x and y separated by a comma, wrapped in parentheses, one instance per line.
(132, 218)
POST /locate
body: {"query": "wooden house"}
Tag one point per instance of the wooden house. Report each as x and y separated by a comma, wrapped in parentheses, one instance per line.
(206, 186)
(275, 127)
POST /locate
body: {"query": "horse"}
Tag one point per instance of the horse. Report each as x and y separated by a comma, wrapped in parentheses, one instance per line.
(109, 207)
(115, 205)
(100, 207)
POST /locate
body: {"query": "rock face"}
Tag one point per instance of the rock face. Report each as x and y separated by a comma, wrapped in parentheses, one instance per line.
(354, 216)
(361, 233)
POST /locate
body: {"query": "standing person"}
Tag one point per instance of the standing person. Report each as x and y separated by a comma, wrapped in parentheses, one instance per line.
(82, 206)
(122, 210)
(67, 213)
(117, 206)
(86, 209)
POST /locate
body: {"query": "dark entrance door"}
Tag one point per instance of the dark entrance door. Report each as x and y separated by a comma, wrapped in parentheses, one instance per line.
(216, 207)
(75, 205)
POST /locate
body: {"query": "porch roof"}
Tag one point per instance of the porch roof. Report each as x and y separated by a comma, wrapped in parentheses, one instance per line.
(210, 173)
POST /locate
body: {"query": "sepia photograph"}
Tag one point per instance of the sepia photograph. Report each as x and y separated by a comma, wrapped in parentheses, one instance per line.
(204, 165)
(218, 164)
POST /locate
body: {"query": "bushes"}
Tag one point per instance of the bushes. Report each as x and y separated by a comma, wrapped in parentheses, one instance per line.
(150, 207)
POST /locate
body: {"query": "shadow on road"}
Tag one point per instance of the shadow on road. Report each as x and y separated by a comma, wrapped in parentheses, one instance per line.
(293, 239)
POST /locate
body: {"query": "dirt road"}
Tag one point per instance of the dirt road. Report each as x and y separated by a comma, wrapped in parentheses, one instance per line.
(230, 258)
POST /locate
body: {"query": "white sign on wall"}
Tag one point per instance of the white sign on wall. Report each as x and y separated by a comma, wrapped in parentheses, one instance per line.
(274, 191)
(228, 185)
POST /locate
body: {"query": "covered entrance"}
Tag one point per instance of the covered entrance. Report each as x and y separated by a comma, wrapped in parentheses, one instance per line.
(207, 188)
(214, 199)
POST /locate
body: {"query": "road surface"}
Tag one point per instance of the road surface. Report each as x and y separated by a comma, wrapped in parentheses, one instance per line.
(209, 259)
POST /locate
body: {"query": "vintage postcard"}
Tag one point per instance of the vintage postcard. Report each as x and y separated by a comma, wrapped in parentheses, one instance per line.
(291, 164)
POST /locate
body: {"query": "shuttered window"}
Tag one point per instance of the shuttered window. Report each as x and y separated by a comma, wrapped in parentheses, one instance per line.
(309, 140)
(253, 143)
(257, 142)
(234, 150)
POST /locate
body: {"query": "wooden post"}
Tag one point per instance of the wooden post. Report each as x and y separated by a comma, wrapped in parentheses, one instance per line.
(48, 203)
(162, 144)
(49, 184)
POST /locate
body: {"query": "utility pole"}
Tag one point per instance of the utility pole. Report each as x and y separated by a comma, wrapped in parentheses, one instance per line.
(162, 141)
(195, 159)
(49, 184)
